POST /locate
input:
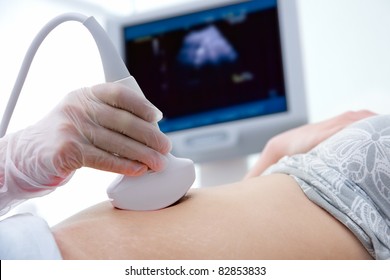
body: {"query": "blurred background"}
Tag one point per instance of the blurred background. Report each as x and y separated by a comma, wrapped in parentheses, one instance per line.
(346, 59)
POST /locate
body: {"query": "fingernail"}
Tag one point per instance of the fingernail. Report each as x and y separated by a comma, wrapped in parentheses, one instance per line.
(158, 115)
(160, 164)
(140, 169)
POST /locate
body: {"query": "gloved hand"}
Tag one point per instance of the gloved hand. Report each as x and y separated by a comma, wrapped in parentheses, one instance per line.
(107, 127)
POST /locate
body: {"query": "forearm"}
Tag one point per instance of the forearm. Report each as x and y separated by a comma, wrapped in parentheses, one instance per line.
(3, 149)
(15, 187)
(8, 194)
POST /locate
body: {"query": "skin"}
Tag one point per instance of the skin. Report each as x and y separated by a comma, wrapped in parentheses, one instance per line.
(265, 217)
(260, 217)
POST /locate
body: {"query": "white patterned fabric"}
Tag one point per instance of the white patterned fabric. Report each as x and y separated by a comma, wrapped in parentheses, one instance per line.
(348, 175)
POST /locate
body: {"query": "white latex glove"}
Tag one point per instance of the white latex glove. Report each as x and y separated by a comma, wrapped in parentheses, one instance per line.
(106, 127)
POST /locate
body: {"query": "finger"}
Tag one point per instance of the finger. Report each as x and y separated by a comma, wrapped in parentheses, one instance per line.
(134, 127)
(125, 147)
(120, 96)
(335, 124)
(102, 160)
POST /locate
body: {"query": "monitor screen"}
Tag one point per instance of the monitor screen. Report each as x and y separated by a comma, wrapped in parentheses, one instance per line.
(226, 74)
(212, 66)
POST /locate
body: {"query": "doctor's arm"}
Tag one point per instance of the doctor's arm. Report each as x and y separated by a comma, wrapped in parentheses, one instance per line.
(107, 127)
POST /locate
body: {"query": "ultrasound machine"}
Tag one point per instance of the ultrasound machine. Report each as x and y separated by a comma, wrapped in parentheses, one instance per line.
(227, 74)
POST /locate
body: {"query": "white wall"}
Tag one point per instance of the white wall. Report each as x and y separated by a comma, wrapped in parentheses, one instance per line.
(346, 47)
